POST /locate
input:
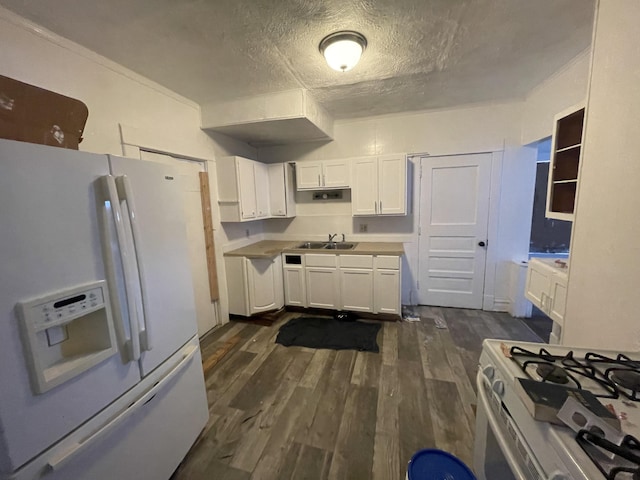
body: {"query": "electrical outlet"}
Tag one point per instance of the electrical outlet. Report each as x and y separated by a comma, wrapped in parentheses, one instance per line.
(364, 228)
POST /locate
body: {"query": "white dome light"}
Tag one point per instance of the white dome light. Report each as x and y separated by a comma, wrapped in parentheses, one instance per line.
(342, 50)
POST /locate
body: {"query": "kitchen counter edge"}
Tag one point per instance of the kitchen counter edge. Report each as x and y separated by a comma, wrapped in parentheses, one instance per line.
(273, 248)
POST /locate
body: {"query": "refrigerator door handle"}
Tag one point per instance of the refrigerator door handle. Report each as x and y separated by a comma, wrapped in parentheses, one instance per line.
(59, 460)
(112, 194)
(126, 193)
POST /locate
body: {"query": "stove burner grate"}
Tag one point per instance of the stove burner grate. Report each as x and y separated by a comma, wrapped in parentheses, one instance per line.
(552, 373)
(626, 457)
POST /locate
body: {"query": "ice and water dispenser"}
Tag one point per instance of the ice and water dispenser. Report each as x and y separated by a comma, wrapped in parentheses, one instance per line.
(66, 333)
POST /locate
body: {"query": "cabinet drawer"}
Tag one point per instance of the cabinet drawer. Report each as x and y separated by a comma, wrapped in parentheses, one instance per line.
(320, 260)
(356, 261)
(387, 261)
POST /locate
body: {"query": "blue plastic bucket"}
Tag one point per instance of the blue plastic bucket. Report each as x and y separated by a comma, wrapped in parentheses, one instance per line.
(434, 464)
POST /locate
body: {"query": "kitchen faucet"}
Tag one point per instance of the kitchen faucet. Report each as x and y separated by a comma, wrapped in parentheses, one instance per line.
(331, 237)
(343, 238)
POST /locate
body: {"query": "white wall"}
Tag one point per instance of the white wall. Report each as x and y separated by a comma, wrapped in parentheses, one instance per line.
(486, 128)
(604, 275)
(566, 87)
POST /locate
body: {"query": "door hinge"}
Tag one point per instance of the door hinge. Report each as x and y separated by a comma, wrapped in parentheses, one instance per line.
(420, 170)
(419, 230)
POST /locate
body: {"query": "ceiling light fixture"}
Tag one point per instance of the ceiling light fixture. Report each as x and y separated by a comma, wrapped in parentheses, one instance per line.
(342, 50)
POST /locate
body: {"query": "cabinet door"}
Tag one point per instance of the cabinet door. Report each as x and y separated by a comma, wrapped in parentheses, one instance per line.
(295, 292)
(265, 288)
(308, 175)
(277, 197)
(335, 174)
(322, 287)
(247, 184)
(262, 190)
(364, 191)
(356, 289)
(392, 185)
(557, 302)
(538, 285)
(387, 291)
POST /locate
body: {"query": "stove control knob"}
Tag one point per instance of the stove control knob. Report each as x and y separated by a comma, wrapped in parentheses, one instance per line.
(557, 475)
(489, 371)
(498, 387)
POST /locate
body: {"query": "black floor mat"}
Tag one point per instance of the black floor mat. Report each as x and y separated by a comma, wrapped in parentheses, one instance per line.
(329, 333)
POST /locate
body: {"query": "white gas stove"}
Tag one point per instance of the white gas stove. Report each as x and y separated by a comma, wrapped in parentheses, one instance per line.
(511, 444)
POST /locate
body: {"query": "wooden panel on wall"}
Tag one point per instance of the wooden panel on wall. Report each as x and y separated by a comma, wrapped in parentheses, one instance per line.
(208, 236)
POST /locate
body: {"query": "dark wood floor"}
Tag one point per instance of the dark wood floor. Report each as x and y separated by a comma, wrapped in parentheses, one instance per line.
(300, 413)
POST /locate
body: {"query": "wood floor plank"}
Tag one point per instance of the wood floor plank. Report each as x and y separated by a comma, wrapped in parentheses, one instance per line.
(264, 381)
(386, 451)
(314, 370)
(281, 436)
(326, 421)
(256, 430)
(408, 348)
(414, 418)
(353, 452)
(451, 430)
(390, 343)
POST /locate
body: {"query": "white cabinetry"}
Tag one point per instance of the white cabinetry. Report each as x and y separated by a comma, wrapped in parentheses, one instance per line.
(359, 283)
(356, 283)
(237, 195)
(546, 287)
(281, 190)
(262, 189)
(255, 284)
(322, 281)
(295, 291)
(379, 185)
(386, 285)
(323, 175)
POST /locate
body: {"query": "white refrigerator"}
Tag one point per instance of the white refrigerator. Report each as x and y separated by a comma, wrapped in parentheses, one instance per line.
(100, 367)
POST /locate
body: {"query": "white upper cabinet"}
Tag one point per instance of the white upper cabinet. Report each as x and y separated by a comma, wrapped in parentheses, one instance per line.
(379, 185)
(323, 175)
(250, 190)
(566, 152)
(281, 190)
(261, 189)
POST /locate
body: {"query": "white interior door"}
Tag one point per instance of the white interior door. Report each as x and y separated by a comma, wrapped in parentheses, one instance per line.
(454, 211)
(189, 170)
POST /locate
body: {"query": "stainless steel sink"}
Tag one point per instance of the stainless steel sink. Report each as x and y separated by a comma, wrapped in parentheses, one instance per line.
(312, 245)
(327, 246)
(340, 246)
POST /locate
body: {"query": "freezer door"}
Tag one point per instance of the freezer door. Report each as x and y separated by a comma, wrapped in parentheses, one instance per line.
(152, 200)
(50, 244)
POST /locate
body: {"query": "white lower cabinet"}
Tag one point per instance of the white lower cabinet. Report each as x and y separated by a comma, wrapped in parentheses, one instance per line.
(322, 281)
(546, 287)
(295, 285)
(356, 290)
(386, 284)
(358, 283)
(255, 284)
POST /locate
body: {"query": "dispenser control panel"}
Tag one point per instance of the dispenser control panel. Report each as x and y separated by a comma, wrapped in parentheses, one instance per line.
(63, 309)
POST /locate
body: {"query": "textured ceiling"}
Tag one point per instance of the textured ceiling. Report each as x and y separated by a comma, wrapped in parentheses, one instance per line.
(421, 54)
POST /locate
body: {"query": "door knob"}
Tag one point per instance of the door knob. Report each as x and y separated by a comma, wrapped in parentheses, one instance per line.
(481, 244)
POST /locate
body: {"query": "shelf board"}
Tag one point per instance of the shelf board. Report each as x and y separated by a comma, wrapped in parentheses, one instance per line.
(577, 145)
(556, 182)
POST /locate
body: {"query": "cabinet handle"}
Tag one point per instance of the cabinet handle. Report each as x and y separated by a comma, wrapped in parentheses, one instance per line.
(380, 206)
(319, 182)
(323, 181)
(375, 206)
